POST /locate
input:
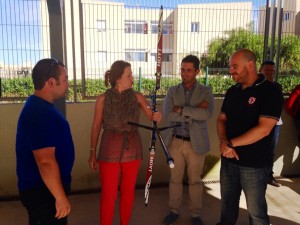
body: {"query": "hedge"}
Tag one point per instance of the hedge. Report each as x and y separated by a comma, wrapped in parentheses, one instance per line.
(23, 87)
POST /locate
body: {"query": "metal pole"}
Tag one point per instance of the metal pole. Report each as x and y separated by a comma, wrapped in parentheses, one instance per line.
(267, 27)
(73, 52)
(140, 79)
(56, 40)
(206, 76)
(279, 39)
(83, 77)
(272, 53)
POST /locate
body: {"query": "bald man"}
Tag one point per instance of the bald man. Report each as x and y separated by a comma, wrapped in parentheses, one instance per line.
(245, 127)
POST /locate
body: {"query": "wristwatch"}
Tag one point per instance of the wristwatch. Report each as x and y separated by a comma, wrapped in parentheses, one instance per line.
(229, 144)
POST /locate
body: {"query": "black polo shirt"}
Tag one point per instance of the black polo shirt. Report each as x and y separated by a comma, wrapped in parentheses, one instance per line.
(243, 108)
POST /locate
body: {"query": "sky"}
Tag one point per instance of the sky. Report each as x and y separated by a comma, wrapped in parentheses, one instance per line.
(174, 3)
(20, 36)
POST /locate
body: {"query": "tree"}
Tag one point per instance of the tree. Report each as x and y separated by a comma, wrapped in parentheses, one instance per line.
(290, 53)
(220, 49)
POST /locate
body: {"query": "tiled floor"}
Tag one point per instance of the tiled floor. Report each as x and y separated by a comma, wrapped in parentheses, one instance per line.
(284, 207)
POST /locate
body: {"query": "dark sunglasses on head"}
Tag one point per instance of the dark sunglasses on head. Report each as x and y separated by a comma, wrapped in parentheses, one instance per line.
(54, 62)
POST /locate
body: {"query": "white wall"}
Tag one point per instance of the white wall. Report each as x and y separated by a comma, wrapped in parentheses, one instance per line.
(80, 115)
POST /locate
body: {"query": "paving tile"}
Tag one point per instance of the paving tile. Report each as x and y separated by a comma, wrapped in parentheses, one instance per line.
(283, 202)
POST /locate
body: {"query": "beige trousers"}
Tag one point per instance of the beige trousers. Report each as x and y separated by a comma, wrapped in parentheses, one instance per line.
(185, 157)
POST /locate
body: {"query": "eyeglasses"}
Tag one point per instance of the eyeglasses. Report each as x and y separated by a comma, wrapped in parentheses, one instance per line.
(54, 62)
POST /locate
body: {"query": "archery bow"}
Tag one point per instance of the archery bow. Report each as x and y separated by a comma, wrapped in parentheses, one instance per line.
(158, 74)
(154, 128)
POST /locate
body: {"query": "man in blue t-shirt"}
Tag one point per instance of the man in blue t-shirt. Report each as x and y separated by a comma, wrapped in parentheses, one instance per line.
(245, 126)
(44, 148)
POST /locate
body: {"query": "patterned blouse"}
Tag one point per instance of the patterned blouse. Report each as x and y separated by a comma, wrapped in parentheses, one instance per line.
(120, 142)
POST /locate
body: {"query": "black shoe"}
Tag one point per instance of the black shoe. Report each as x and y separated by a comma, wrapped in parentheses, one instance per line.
(273, 182)
(197, 221)
(171, 218)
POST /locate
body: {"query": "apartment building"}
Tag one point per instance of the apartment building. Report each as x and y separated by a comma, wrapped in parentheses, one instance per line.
(103, 32)
(290, 20)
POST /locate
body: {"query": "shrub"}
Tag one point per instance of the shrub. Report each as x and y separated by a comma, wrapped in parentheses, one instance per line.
(88, 90)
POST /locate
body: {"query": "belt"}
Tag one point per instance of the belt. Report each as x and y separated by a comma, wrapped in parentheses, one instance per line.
(182, 138)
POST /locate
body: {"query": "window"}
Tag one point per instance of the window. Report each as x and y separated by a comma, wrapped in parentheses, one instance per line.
(101, 25)
(136, 27)
(195, 27)
(166, 57)
(135, 55)
(167, 27)
(286, 16)
(102, 56)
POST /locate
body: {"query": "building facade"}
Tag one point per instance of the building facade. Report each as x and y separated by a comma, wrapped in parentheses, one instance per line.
(99, 33)
(290, 17)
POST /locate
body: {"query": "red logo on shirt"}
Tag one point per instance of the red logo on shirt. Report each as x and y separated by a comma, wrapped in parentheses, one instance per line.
(251, 100)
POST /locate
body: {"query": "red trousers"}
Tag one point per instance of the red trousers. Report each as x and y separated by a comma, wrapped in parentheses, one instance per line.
(110, 173)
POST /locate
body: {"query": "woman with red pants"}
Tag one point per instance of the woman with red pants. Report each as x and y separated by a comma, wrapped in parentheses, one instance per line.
(120, 151)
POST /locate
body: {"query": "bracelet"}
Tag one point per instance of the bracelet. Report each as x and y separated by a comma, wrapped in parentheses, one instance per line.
(229, 144)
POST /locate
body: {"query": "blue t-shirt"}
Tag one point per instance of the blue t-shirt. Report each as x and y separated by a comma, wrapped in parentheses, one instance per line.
(41, 125)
